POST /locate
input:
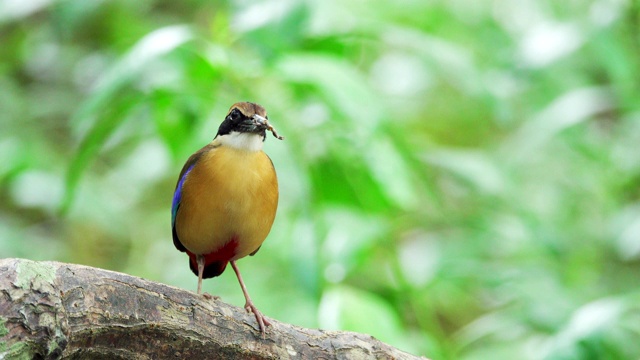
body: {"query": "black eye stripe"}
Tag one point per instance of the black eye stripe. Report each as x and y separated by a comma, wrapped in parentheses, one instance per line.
(235, 115)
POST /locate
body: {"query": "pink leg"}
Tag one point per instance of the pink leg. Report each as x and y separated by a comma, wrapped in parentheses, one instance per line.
(200, 261)
(262, 321)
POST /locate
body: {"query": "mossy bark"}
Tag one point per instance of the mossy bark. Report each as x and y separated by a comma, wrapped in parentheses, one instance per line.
(51, 310)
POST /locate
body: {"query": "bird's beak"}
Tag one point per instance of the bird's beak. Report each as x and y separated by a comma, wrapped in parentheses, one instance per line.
(260, 120)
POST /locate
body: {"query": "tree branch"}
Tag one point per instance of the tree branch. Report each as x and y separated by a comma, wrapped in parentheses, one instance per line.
(52, 310)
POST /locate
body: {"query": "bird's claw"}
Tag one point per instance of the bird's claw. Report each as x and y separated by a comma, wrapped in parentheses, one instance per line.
(261, 319)
(209, 296)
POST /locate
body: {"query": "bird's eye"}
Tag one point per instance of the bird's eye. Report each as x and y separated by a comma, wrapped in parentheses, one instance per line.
(234, 115)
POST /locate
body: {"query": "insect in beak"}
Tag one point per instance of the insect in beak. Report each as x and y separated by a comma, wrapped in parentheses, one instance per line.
(262, 121)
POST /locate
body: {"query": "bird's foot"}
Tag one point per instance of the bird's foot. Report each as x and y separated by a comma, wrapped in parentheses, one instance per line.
(209, 296)
(261, 319)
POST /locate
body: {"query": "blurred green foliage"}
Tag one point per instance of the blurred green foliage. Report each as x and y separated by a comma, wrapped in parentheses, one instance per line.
(459, 178)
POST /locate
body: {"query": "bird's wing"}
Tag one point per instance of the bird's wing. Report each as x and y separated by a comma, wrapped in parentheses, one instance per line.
(177, 193)
(177, 196)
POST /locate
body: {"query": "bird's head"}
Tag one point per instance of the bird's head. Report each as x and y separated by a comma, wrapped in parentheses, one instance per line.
(245, 127)
(245, 118)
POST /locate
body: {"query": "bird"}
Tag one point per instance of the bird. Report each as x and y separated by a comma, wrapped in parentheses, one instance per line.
(226, 197)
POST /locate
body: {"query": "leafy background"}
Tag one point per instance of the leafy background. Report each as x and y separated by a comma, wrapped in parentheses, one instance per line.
(459, 178)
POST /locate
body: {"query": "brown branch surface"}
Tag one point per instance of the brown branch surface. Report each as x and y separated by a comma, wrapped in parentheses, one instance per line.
(51, 310)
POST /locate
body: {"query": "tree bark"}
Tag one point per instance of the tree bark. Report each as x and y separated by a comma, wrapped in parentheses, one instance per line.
(51, 310)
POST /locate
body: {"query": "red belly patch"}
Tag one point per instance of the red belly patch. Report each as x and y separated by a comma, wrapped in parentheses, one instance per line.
(215, 262)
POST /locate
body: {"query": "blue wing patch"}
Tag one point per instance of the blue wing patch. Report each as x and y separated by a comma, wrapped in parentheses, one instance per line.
(177, 196)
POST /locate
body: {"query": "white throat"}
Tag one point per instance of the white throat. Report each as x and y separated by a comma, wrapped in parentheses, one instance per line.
(242, 141)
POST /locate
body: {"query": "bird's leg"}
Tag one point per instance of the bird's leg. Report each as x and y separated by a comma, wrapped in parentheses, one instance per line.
(200, 261)
(261, 319)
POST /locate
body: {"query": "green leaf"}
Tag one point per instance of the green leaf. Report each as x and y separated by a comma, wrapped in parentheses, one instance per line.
(340, 180)
(93, 142)
(101, 115)
(340, 83)
(174, 120)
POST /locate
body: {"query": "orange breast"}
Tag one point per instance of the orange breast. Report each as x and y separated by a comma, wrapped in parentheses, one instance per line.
(229, 194)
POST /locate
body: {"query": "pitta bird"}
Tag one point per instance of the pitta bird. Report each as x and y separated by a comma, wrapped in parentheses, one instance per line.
(226, 198)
